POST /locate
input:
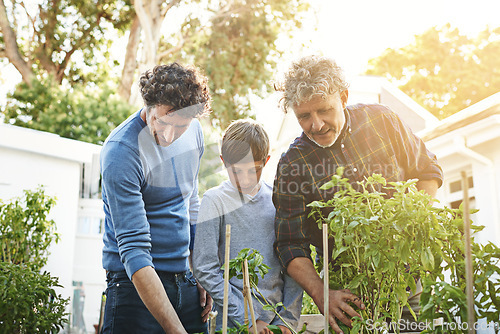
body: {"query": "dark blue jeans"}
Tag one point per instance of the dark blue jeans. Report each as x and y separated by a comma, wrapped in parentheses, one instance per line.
(126, 313)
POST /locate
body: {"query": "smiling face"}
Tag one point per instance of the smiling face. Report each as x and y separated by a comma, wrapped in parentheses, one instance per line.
(165, 125)
(322, 118)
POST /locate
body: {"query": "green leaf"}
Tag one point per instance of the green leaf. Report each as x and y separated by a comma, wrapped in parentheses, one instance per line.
(376, 259)
(316, 204)
(401, 294)
(328, 185)
(405, 251)
(353, 224)
(410, 280)
(427, 259)
(268, 308)
(357, 281)
(339, 251)
(275, 329)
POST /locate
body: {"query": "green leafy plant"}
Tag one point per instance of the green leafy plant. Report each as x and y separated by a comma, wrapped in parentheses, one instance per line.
(243, 329)
(29, 303)
(444, 305)
(308, 305)
(386, 237)
(256, 268)
(26, 231)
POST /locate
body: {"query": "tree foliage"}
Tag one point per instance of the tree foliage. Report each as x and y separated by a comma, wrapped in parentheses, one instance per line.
(236, 48)
(66, 66)
(81, 112)
(211, 172)
(444, 70)
(233, 41)
(66, 39)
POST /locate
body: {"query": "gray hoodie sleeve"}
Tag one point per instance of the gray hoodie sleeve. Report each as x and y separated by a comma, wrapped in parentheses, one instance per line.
(292, 301)
(206, 261)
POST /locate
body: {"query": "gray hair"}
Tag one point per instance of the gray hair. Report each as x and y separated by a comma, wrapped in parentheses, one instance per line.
(308, 77)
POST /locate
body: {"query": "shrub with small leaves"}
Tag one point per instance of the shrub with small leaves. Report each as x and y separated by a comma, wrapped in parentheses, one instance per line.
(26, 231)
(29, 303)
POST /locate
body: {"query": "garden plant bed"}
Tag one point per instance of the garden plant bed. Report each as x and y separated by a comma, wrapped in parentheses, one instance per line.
(386, 237)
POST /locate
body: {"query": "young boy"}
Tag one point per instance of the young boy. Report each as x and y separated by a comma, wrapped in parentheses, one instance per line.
(245, 203)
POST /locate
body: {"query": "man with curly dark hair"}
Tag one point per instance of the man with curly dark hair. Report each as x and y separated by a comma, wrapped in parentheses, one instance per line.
(149, 167)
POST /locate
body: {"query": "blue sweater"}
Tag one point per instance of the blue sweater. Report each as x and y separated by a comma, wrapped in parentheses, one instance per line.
(150, 197)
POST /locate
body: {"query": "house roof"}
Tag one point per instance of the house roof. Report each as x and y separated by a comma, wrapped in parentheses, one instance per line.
(411, 104)
(45, 143)
(474, 113)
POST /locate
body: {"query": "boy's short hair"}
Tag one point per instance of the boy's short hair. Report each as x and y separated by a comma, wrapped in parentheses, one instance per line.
(241, 137)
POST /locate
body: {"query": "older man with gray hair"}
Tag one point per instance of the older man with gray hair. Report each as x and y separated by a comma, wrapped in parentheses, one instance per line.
(364, 139)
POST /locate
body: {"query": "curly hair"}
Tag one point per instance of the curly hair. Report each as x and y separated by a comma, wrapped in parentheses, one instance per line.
(241, 137)
(177, 86)
(310, 76)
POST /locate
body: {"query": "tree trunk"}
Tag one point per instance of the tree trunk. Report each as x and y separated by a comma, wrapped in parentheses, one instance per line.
(130, 64)
(150, 16)
(12, 48)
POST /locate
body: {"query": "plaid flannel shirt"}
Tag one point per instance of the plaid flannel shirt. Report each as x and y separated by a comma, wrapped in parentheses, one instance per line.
(374, 140)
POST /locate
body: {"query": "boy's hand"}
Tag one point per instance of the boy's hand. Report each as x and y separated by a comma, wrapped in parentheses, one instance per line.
(205, 302)
(284, 329)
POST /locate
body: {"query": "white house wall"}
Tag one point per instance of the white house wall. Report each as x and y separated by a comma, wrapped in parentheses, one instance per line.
(475, 148)
(21, 170)
(30, 158)
(487, 191)
(88, 261)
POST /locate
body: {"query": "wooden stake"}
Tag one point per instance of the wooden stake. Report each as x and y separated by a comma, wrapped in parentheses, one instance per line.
(469, 279)
(245, 304)
(226, 280)
(248, 295)
(213, 322)
(101, 313)
(326, 286)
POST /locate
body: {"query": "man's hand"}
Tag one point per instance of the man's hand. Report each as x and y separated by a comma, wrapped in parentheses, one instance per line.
(206, 302)
(302, 270)
(152, 293)
(340, 307)
(429, 186)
